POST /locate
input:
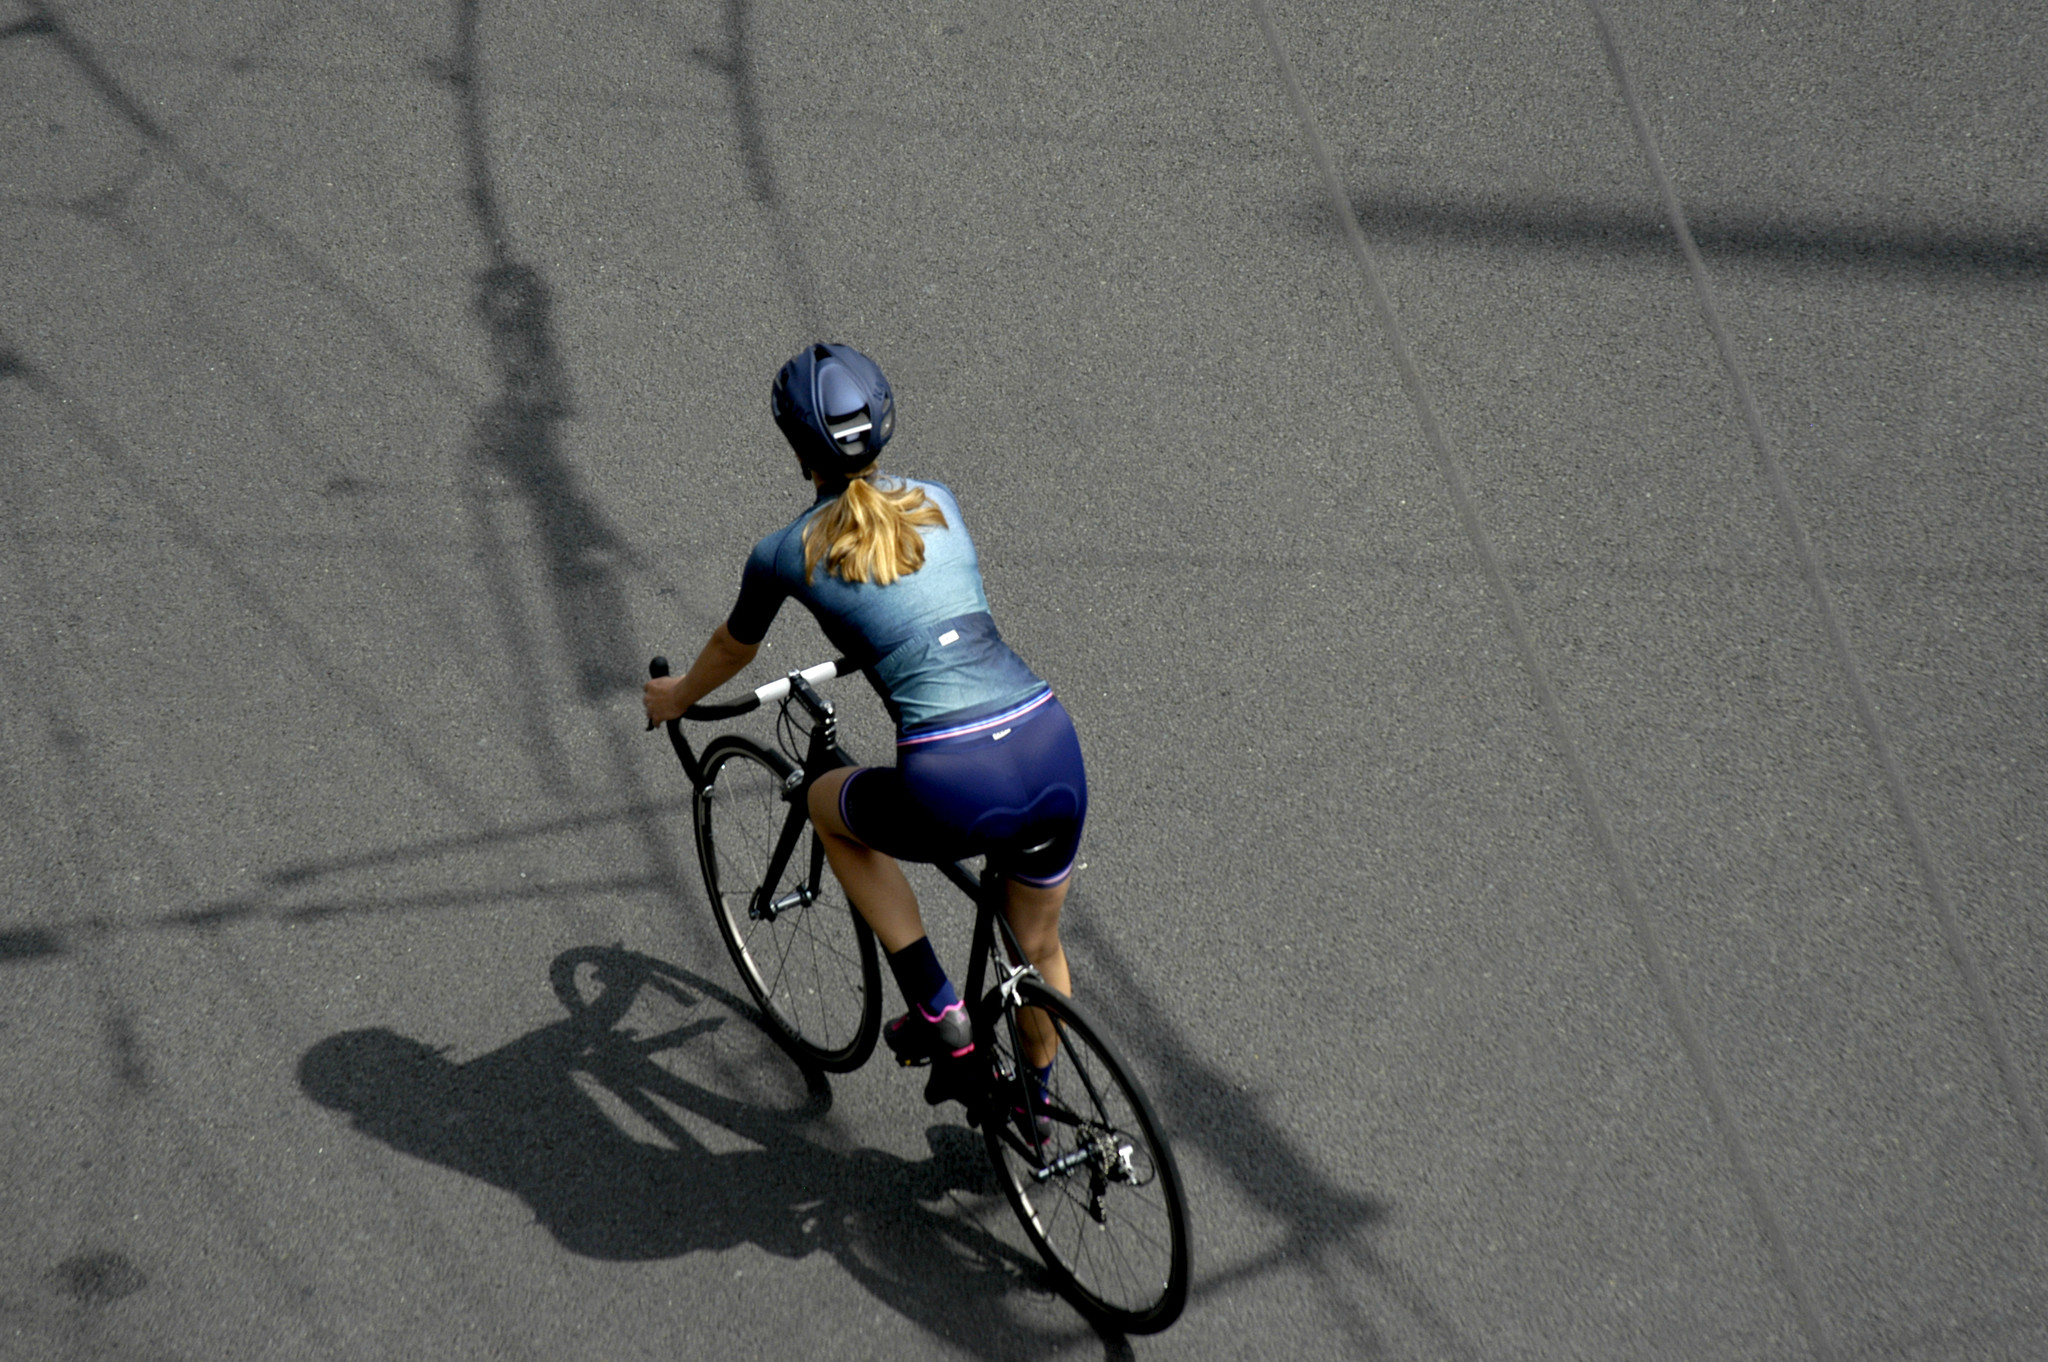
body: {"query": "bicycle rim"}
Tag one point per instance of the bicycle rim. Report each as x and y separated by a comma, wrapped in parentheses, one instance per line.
(802, 951)
(1094, 1185)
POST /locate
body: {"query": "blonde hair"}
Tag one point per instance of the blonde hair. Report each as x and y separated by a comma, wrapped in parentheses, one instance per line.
(870, 533)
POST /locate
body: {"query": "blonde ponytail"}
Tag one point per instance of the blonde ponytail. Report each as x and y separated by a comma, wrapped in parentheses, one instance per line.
(870, 534)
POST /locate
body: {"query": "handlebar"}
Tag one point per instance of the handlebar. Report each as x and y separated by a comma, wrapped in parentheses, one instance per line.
(772, 693)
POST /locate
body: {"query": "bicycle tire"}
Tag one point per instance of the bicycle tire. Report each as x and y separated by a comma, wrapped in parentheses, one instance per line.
(812, 966)
(1111, 1223)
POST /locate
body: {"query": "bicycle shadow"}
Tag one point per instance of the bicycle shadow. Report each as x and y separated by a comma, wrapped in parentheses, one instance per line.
(678, 1164)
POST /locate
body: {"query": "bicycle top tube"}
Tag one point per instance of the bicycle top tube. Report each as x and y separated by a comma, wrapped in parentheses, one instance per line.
(773, 692)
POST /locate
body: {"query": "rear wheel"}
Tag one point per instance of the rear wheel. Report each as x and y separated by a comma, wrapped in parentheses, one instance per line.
(1085, 1167)
(803, 952)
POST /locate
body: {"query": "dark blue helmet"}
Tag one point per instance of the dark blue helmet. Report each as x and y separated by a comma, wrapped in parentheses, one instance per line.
(835, 409)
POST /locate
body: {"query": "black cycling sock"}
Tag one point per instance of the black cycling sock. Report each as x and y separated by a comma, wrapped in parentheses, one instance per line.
(922, 978)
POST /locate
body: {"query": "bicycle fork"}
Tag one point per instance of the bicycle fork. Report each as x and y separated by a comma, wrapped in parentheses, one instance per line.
(761, 907)
(806, 893)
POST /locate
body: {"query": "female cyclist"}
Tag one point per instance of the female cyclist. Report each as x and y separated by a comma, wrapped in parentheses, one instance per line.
(987, 760)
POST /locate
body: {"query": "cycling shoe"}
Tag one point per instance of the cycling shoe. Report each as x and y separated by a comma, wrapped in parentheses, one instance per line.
(916, 1039)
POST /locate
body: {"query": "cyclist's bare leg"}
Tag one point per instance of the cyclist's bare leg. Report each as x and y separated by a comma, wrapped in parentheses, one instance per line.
(1034, 915)
(873, 881)
(883, 896)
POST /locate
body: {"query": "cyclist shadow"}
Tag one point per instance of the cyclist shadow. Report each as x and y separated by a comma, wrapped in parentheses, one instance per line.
(624, 1158)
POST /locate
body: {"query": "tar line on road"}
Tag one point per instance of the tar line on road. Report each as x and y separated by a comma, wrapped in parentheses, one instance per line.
(1903, 805)
(1656, 962)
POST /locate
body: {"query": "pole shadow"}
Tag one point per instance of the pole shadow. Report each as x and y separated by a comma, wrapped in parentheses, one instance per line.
(517, 433)
(1618, 230)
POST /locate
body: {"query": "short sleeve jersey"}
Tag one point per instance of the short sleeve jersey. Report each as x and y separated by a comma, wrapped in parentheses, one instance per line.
(926, 640)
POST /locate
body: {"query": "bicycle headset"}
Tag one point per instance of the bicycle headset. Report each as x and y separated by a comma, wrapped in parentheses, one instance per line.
(835, 409)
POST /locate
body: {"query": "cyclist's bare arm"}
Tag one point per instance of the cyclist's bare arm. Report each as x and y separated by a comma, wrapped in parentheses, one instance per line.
(723, 658)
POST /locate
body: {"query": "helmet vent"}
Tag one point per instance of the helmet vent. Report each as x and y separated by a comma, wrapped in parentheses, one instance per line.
(835, 408)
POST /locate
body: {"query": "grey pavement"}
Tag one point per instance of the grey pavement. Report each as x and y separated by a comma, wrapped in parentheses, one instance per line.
(1537, 511)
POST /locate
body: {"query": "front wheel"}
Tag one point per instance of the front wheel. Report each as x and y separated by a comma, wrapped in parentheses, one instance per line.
(1084, 1166)
(803, 952)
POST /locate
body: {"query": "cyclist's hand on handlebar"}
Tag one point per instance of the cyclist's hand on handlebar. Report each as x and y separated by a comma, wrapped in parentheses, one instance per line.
(669, 697)
(662, 698)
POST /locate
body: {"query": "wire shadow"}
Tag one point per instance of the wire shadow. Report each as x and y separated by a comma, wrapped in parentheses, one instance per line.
(43, 22)
(1580, 227)
(192, 533)
(517, 431)
(523, 1118)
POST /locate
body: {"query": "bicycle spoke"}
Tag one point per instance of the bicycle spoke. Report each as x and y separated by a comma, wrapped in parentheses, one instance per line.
(810, 965)
(1094, 1186)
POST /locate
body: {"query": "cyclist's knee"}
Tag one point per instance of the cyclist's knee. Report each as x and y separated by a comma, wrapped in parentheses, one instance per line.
(823, 801)
(1034, 914)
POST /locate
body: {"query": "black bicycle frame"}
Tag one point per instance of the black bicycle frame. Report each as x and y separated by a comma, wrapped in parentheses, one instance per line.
(991, 927)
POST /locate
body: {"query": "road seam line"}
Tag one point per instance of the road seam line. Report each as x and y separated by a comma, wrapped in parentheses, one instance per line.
(1678, 1014)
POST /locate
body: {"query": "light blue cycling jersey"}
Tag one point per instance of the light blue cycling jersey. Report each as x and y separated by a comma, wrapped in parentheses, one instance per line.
(926, 640)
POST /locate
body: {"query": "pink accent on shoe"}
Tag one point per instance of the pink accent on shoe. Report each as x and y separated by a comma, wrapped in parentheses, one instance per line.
(948, 1010)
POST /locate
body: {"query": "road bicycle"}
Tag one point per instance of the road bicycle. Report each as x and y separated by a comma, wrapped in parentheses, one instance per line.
(1079, 1156)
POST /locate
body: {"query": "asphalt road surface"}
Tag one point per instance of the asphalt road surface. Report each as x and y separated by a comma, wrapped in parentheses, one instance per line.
(1537, 511)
